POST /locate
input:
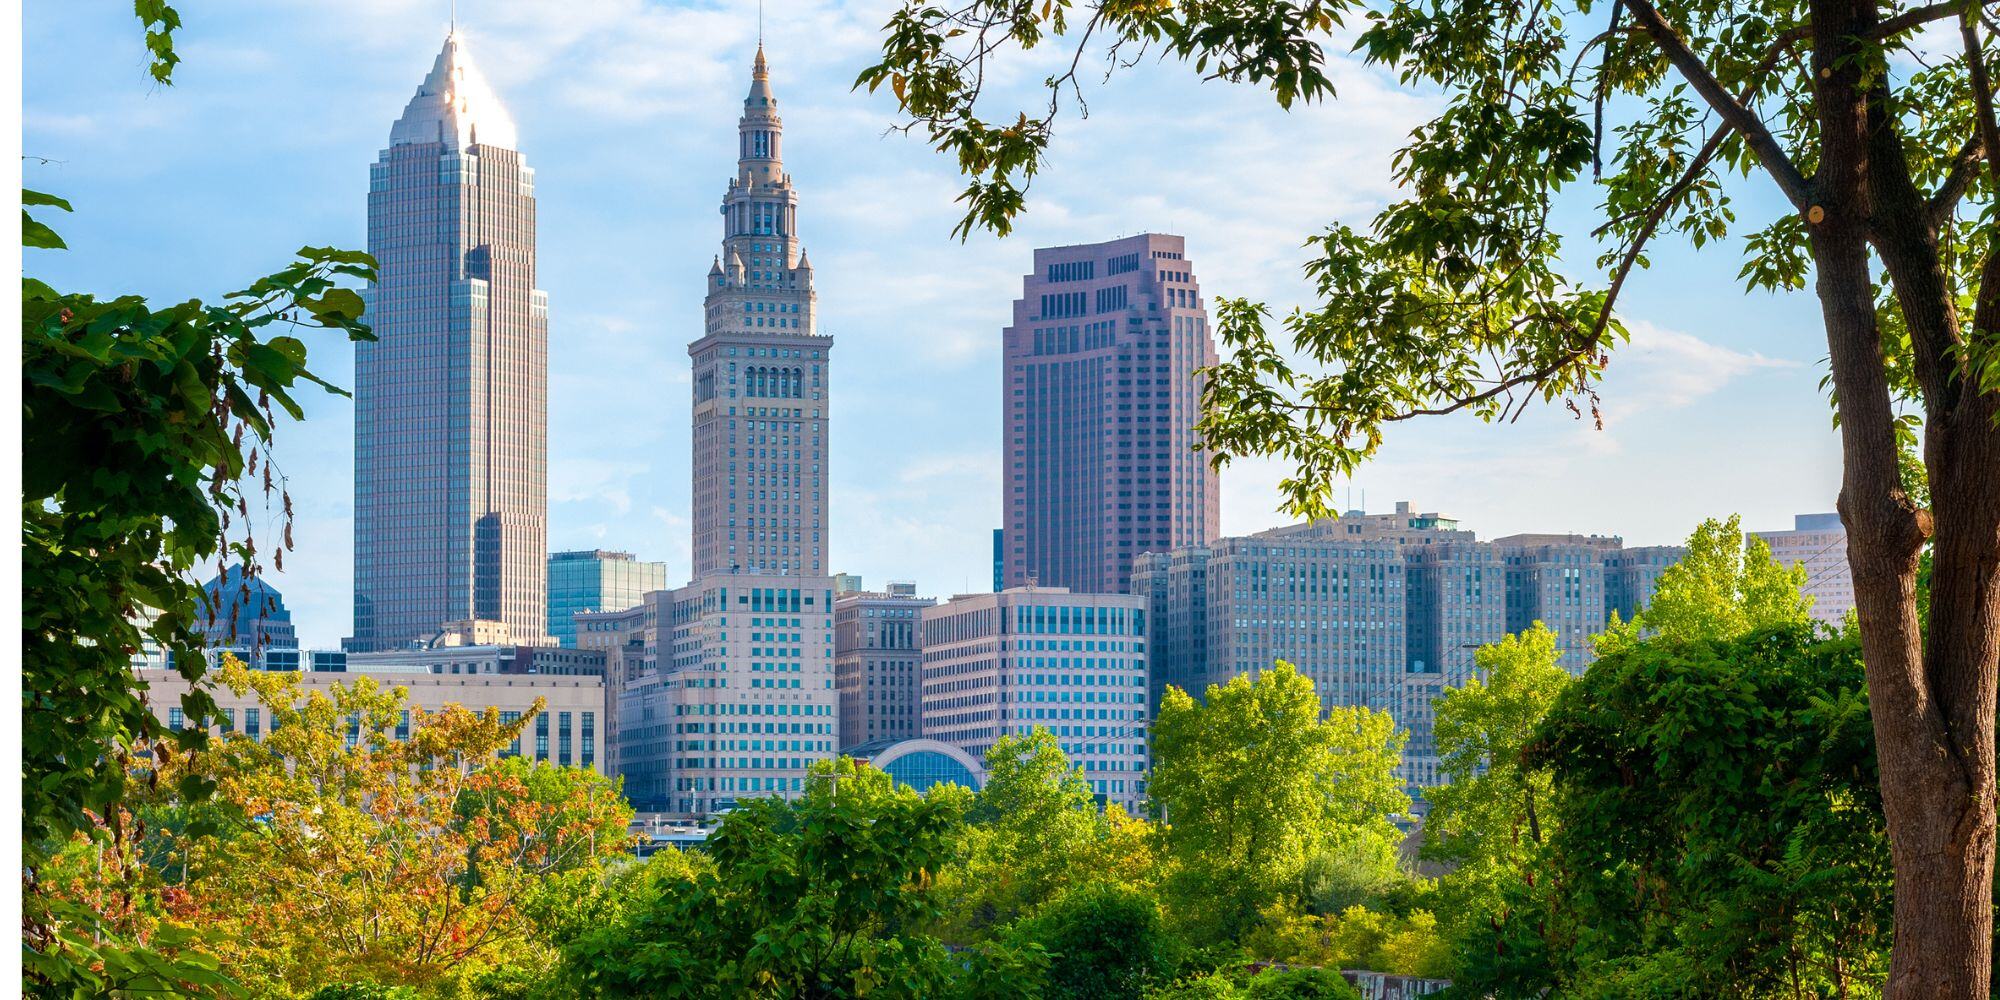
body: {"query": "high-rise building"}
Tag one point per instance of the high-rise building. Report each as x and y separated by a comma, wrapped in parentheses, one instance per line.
(246, 617)
(1030, 657)
(725, 687)
(451, 398)
(1099, 404)
(1380, 610)
(1631, 575)
(596, 580)
(735, 696)
(761, 373)
(1819, 543)
(878, 664)
(1558, 580)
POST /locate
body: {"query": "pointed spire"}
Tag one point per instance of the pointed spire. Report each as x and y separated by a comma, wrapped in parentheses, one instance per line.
(760, 98)
(715, 268)
(804, 264)
(454, 105)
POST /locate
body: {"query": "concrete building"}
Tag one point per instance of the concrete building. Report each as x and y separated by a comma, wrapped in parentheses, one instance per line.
(878, 664)
(451, 398)
(1039, 656)
(761, 373)
(1332, 605)
(1099, 404)
(1380, 610)
(1819, 543)
(565, 732)
(459, 660)
(1558, 580)
(1631, 576)
(596, 580)
(729, 694)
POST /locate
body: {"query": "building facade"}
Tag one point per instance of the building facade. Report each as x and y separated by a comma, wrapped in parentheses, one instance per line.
(451, 398)
(733, 698)
(1028, 657)
(565, 732)
(1558, 580)
(596, 580)
(878, 664)
(1631, 575)
(1819, 543)
(1099, 404)
(761, 373)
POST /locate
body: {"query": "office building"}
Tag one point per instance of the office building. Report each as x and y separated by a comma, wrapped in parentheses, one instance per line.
(451, 398)
(761, 373)
(877, 664)
(246, 617)
(596, 580)
(565, 731)
(1030, 657)
(1631, 575)
(1099, 403)
(732, 696)
(1819, 543)
(1558, 580)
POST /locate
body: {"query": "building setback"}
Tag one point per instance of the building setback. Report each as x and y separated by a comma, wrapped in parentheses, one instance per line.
(878, 664)
(596, 580)
(1099, 402)
(1819, 543)
(725, 687)
(1558, 580)
(451, 398)
(1029, 657)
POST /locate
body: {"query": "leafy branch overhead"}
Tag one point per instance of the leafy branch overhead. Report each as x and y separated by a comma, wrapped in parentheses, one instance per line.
(1458, 296)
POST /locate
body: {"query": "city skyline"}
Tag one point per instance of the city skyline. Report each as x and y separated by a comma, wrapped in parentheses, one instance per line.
(922, 510)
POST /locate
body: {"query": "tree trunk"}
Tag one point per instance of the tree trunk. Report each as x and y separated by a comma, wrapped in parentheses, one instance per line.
(1932, 704)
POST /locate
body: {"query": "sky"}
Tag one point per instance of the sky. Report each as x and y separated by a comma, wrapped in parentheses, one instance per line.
(627, 111)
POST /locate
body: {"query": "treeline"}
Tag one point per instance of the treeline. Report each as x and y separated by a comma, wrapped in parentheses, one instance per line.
(1696, 815)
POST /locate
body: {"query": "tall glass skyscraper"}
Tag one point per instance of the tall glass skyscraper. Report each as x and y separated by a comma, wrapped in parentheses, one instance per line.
(1099, 405)
(451, 400)
(761, 374)
(596, 580)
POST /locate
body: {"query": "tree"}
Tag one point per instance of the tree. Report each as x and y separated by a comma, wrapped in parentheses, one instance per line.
(151, 432)
(1492, 813)
(1721, 589)
(1104, 942)
(1717, 830)
(1036, 831)
(816, 897)
(1459, 297)
(1259, 780)
(332, 851)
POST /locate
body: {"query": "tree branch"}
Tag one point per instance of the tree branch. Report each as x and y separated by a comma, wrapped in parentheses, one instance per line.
(1964, 167)
(1739, 116)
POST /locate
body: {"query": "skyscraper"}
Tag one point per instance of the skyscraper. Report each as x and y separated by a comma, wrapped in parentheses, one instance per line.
(760, 373)
(1100, 401)
(596, 580)
(1819, 543)
(451, 399)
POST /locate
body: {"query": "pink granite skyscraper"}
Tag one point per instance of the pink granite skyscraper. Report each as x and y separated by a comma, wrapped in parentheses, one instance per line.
(1100, 401)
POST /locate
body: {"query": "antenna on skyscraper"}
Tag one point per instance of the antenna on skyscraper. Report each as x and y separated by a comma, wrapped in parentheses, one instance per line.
(760, 22)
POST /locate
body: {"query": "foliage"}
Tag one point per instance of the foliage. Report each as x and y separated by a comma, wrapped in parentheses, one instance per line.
(1274, 983)
(1036, 832)
(1355, 938)
(1726, 585)
(1717, 830)
(1492, 812)
(1257, 782)
(814, 897)
(331, 851)
(1104, 942)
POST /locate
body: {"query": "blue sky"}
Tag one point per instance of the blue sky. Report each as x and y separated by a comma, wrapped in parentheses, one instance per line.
(627, 110)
